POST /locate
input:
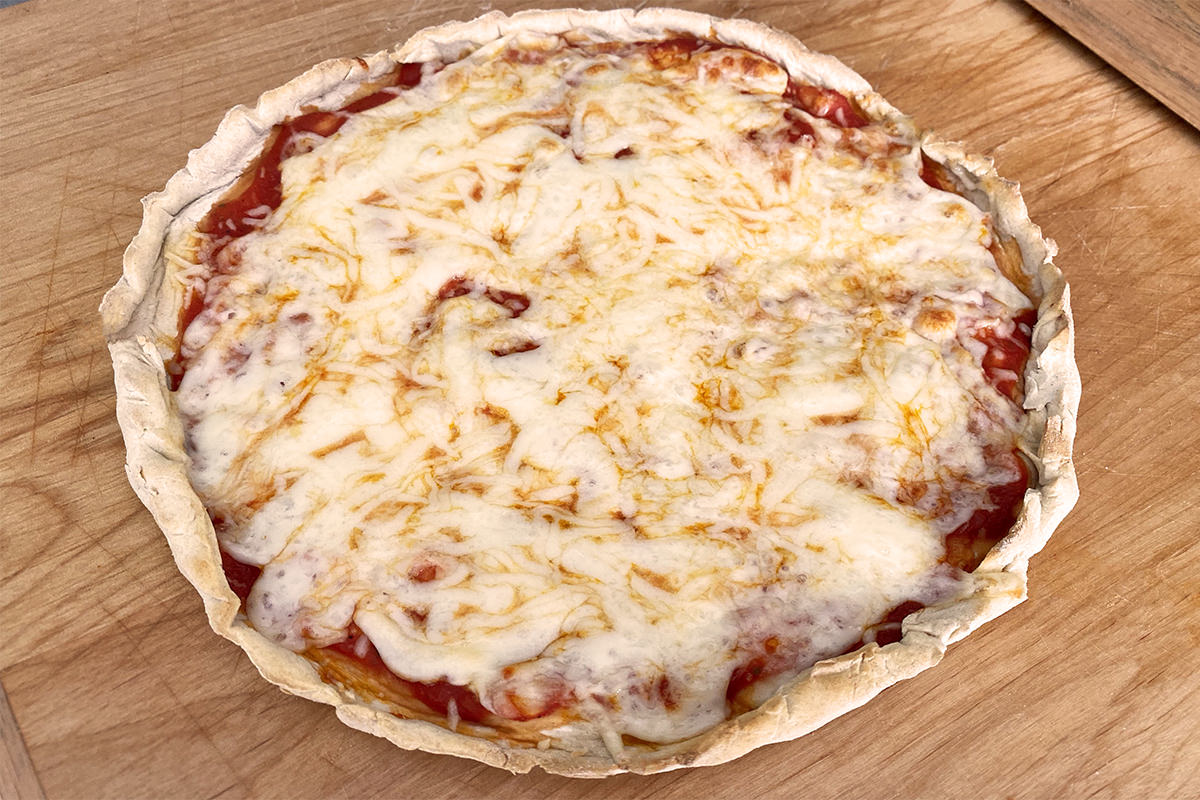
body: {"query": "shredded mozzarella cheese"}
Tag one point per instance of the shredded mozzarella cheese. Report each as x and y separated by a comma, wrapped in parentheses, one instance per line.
(586, 371)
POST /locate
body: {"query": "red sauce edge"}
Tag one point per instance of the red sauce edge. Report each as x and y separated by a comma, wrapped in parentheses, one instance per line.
(749, 673)
(1004, 361)
(436, 696)
(231, 217)
(967, 544)
(935, 175)
(243, 212)
(240, 577)
(828, 104)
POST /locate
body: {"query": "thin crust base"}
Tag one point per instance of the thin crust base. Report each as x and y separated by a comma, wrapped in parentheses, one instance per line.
(140, 316)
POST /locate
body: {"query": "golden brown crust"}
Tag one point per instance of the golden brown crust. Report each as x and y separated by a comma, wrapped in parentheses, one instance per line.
(140, 316)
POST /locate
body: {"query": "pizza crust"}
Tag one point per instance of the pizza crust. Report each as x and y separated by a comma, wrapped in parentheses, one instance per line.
(140, 318)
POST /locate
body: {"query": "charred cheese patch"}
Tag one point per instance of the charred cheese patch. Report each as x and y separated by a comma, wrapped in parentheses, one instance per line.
(594, 372)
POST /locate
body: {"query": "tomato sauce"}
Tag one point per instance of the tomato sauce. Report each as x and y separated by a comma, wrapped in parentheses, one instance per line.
(241, 577)
(937, 176)
(1004, 361)
(969, 543)
(260, 191)
(887, 630)
(797, 128)
(193, 304)
(672, 52)
(245, 210)
(436, 696)
(828, 104)
(751, 672)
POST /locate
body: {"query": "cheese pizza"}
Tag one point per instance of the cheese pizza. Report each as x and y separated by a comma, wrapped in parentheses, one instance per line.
(594, 390)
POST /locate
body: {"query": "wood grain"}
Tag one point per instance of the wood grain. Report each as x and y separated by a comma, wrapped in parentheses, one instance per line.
(120, 690)
(1155, 44)
(17, 777)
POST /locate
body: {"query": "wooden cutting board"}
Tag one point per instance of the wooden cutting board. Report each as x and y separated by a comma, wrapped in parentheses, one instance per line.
(116, 687)
(1154, 44)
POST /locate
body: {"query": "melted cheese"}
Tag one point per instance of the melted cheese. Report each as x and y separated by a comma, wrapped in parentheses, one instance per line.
(694, 422)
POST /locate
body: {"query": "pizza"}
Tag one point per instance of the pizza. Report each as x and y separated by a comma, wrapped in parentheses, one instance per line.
(601, 391)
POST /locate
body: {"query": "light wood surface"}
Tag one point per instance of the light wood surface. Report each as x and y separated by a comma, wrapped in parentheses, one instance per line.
(17, 776)
(1155, 43)
(119, 689)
